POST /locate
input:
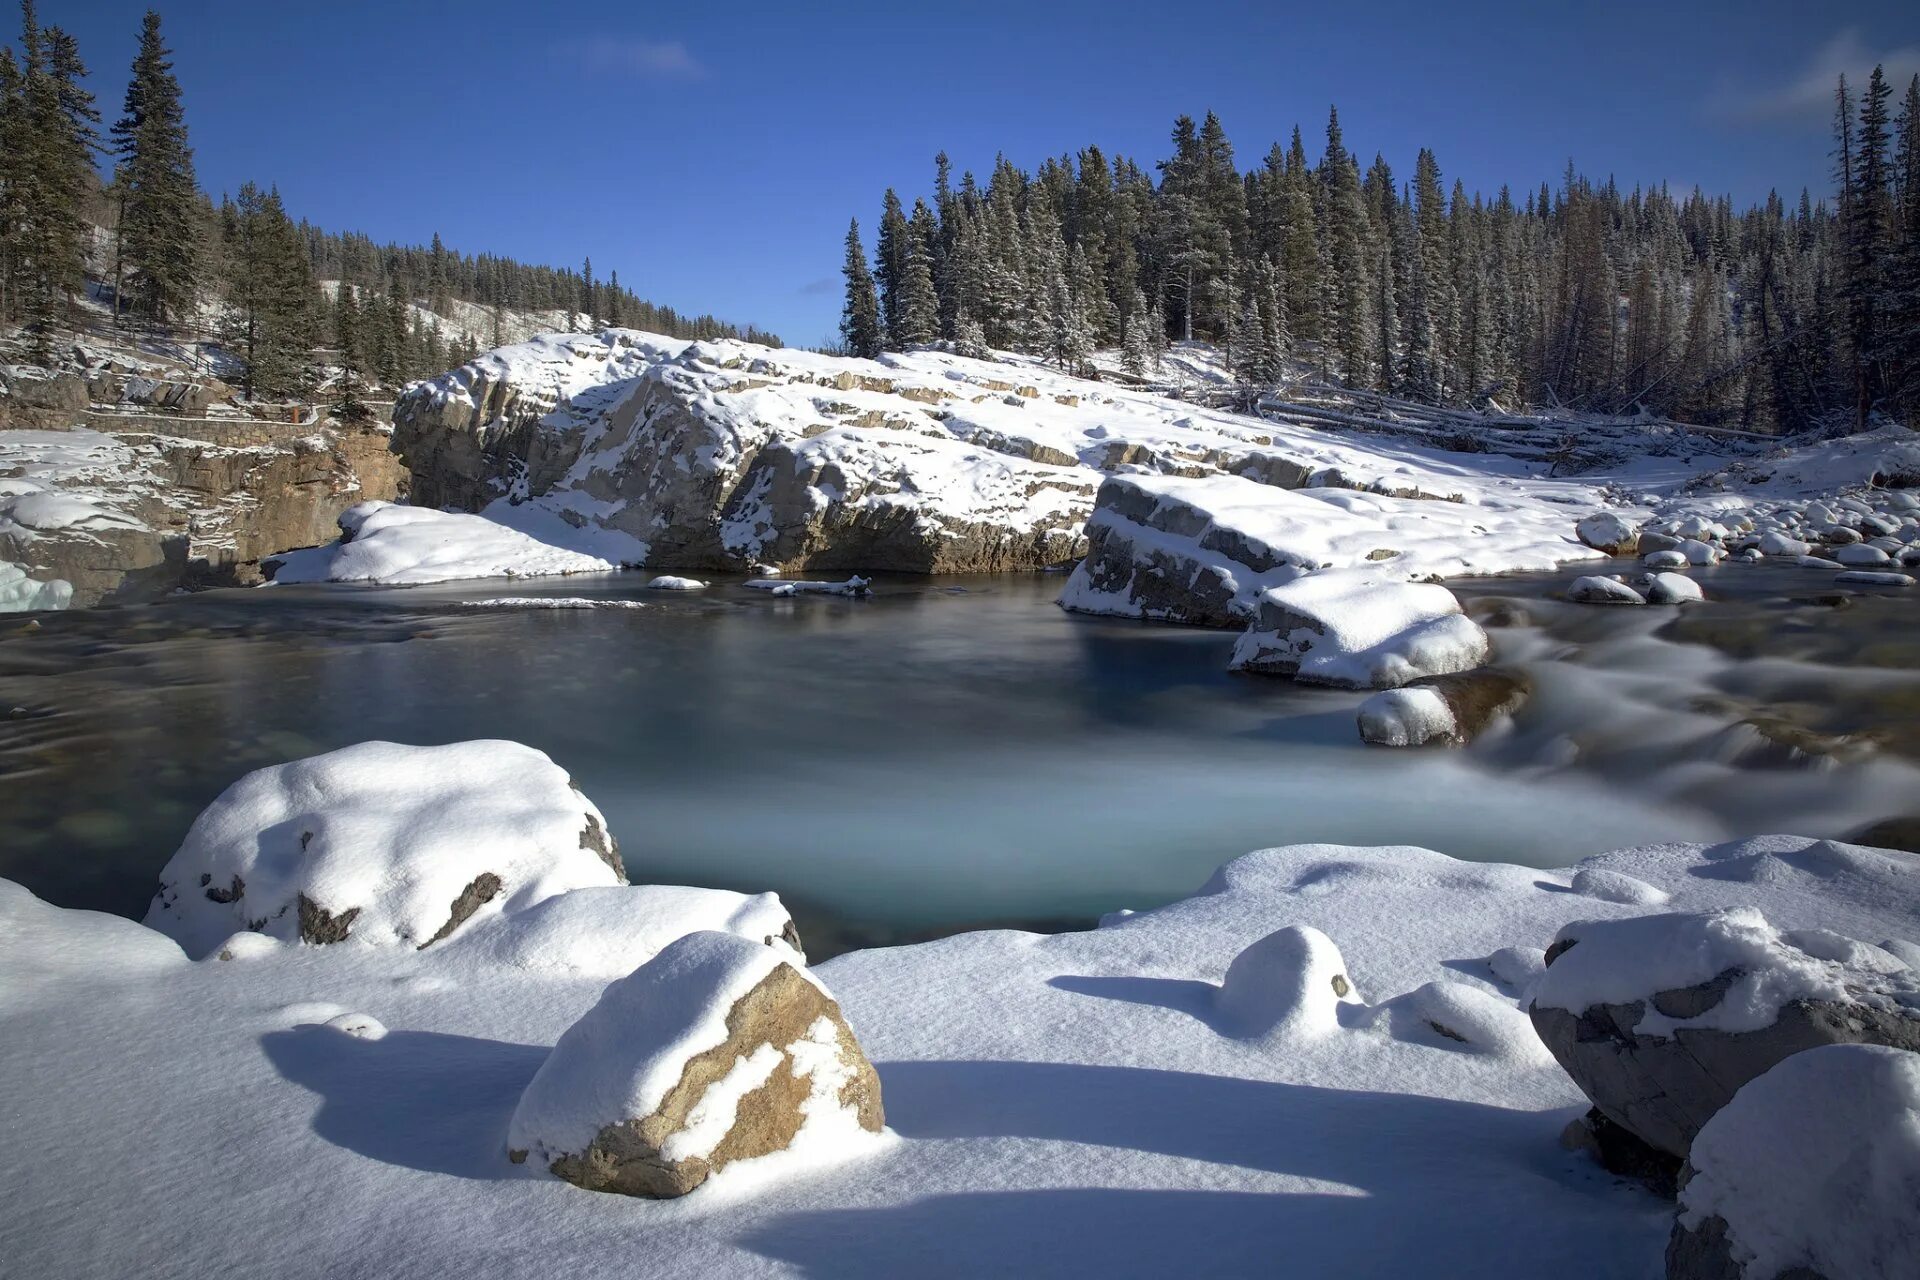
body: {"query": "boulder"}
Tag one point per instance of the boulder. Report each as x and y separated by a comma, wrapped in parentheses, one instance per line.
(1291, 983)
(1595, 589)
(1810, 1172)
(1859, 555)
(1776, 543)
(1660, 1019)
(383, 844)
(1450, 709)
(1356, 630)
(1672, 588)
(716, 1050)
(1605, 531)
(1665, 560)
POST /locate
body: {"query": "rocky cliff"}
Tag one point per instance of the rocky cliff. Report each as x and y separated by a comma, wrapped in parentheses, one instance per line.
(130, 516)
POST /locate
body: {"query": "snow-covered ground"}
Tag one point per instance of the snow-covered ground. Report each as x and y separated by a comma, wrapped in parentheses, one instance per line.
(382, 542)
(1183, 1091)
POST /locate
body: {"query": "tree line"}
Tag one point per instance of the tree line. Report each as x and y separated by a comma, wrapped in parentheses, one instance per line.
(164, 249)
(1583, 296)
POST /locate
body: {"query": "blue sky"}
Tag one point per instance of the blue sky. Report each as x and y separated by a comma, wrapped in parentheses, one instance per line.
(713, 153)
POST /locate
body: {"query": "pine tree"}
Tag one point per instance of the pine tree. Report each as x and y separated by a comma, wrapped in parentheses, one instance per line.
(615, 312)
(155, 186)
(860, 326)
(587, 307)
(1901, 345)
(893, 251)
(346, 337)
(269, 294)
(1136, 346)
(1350, 303)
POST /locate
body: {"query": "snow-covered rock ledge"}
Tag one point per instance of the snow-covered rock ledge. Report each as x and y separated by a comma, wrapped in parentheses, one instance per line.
(1321, 1056)
(385, 543)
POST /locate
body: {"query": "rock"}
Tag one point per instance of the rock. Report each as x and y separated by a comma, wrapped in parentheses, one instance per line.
(1448, 709)
(1810, 1172)
(1290, 983)
(1594, 589)
(1775, 543)
(1839, 535)
(1859, 555)
(1617, 1151)
(1672, 588)
(1650, 540)
(1699, 553)
(1890, 833)
(1660, 1019)
(383, 844)
(716, 1050)
(1358, 631)
(667, 582)
(1871, 578)
(1605, 531)
(1665, 560)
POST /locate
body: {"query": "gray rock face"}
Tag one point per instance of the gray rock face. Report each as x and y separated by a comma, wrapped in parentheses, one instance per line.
(1664, 1088)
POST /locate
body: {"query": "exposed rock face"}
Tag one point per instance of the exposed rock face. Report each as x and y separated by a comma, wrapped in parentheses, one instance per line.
(132, 517)
(1663, 1065)
(385, 845)
(718, 1049)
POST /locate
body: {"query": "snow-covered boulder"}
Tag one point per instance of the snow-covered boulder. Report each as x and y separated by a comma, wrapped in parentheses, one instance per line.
(1860, 556)
(716, 1050)
(607, 932)
(1595, 589)
(1874, 578)
(383, 844)
(1359, 630)
(1608, 532)
(1672, 588)
(384, 542)
(1698, 552)
(1290, 983)
(1659, 1019)
(671, 582)
(1812, 1170)
(1776, 543)
(1669, 559)
(1449, 709)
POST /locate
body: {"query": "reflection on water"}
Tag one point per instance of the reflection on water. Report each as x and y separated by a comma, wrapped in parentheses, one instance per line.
(941, 754)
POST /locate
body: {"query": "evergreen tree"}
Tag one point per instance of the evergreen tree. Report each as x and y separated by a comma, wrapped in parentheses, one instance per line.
(269, 295)
(587, 307)
(346, 337)
(860, 326)
(1137, 347)
(615, 313)
(1350, 331)
(893, 250)
(154, 182)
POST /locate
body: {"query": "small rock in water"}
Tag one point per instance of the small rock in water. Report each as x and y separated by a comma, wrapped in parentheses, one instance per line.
(1871, 578)
(1665, 560)
(1598, 590)
(1672, 588)
(668, 582)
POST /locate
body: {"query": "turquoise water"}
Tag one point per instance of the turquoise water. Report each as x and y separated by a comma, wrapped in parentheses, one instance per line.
(943, 754)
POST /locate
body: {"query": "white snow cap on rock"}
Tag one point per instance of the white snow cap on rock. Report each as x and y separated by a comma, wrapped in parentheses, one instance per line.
(20, 593)
(670, 582)
(382, 844)
(1816, 1164)
(1409, 717)
(1595, 589)
(1621, 961)
(382, 542)
(1359, 630)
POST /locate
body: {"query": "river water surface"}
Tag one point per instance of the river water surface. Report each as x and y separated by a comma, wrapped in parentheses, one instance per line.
(953, 752)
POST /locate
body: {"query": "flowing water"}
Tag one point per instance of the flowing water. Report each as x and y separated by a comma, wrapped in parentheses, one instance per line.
(956, 751)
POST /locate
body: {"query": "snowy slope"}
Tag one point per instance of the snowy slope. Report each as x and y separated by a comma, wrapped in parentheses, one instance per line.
(1084, 1103)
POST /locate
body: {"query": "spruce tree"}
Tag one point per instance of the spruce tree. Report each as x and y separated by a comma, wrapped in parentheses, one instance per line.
(270, 295)
(893, 251)
(860, 327)
(154, 183)
(346, 337)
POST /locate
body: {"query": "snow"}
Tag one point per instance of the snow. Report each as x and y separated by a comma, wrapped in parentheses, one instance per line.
(1870, 578)
(20, 593)
(624, 1054)
(551, 602)
(1816, 1164)
(383, 542)
(393, 833)
(1672, 588)
(668, 582)
(1360, 630)
(1406, 718)
(608, 932)
(1621, 961)
(1066, 1105)
(854, 586)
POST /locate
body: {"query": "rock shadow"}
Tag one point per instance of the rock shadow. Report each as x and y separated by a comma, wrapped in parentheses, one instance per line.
(420, 1099)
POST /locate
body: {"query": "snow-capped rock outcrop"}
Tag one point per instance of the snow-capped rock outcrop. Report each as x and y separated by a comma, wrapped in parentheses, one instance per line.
(1359, 630)
(718, 1049)
(1449, 709)
(383, 844)
(1811, 1171)
(1660, 1019)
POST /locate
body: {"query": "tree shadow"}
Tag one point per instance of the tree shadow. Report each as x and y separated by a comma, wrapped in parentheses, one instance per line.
(1415, 1184)
(420, 1099)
